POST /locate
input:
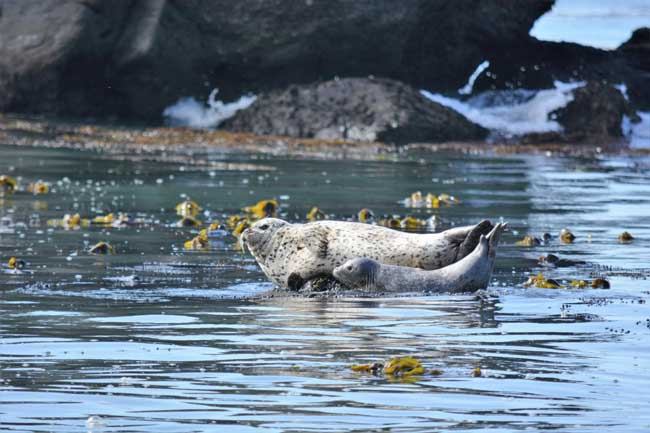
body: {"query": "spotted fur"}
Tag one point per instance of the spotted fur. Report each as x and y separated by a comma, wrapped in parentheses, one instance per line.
(290, 254)
(470, 273)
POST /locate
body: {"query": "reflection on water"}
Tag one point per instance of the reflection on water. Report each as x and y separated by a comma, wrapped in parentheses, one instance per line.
(158, 339)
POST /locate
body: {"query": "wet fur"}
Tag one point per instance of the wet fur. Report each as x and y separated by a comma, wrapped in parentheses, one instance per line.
(292, 254)
(468, 274)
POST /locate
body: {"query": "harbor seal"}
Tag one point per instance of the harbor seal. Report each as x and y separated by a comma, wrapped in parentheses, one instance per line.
(292, 254)
(469, 274)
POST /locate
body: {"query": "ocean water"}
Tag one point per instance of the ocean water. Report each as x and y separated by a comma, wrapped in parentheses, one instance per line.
(602, 24)
(157, 338)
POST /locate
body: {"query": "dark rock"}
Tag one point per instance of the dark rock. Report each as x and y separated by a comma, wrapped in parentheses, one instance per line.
(354, 108)
(637, 48)
(595, 113)
(535, 64)
(133, 58)
(636, 53)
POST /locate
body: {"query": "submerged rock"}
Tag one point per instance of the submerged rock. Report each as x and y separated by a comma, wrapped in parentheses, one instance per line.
(595, 113)
(363, 109)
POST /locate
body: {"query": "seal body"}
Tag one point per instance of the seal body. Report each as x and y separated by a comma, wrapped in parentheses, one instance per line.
(291, 254)
(469, 274)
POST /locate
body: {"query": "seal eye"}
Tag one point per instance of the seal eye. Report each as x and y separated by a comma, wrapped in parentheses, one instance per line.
(264, 226)
(349, 268)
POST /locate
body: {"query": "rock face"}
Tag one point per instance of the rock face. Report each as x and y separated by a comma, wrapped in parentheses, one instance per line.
(595, 113)
(132, 58)
(354, 108)
(637, 48)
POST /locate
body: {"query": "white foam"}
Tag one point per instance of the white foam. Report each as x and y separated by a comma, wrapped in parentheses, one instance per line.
(190, 112)
(638, 134)
(512, 112)
(467, 88)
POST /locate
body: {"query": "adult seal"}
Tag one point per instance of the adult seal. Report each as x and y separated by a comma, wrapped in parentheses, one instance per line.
(292, 254)
(469, 274)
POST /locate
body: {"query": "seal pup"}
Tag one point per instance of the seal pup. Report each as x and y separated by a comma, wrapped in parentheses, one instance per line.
(291, 254)
(469, 274)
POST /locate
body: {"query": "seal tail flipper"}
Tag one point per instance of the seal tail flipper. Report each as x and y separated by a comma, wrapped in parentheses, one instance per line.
(493, 238)
(469, 237)
(493, 243)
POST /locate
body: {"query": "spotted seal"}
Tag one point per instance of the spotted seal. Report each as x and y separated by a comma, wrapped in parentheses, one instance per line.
(291, 254)
(469, 274)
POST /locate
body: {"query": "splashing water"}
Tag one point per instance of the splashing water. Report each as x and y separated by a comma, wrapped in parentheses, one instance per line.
(512, 112)
(467, 88)
(189, 112)
(638, 134)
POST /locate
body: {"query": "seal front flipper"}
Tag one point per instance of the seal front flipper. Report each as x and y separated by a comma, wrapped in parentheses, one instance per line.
(470, 238)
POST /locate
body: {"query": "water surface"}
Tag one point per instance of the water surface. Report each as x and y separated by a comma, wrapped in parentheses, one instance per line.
(158, 339)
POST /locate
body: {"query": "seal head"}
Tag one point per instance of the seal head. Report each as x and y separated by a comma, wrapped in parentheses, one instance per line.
(358, 273)
(258, 237)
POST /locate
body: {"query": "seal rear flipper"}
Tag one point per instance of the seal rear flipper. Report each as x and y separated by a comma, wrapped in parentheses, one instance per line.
(471, 239)
(494, 236)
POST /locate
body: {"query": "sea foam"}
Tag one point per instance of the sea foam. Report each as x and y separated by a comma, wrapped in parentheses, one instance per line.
(190, 112)
(510, 113)
(638, 134)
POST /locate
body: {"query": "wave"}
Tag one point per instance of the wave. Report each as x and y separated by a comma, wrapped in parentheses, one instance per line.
(509, 113)
(190, 112)
(638, 134)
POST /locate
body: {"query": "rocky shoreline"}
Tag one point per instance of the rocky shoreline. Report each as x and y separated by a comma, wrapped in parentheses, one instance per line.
(193, 147)
(130, 60)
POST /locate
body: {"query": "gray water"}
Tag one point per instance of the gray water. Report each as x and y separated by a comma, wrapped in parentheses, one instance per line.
(157, 339)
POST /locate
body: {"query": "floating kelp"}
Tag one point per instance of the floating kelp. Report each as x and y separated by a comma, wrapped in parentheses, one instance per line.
(528, 241)
(412, 223)
(199, 242)
(393, 223)
(374, 368)
(316, 214)
(263, 209)
(399, 367)
(69, 222)
(541, 282)
(430, 201)
(625, 238)
(188, 208)
(7, 184)
(104, 219)
(241, 226)
(15, 263)
(365, 216)
(600, 283)
(102, 248)
(233, 220)
(566, 236)
(405, 366)
(215, 229)
(38, 188)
